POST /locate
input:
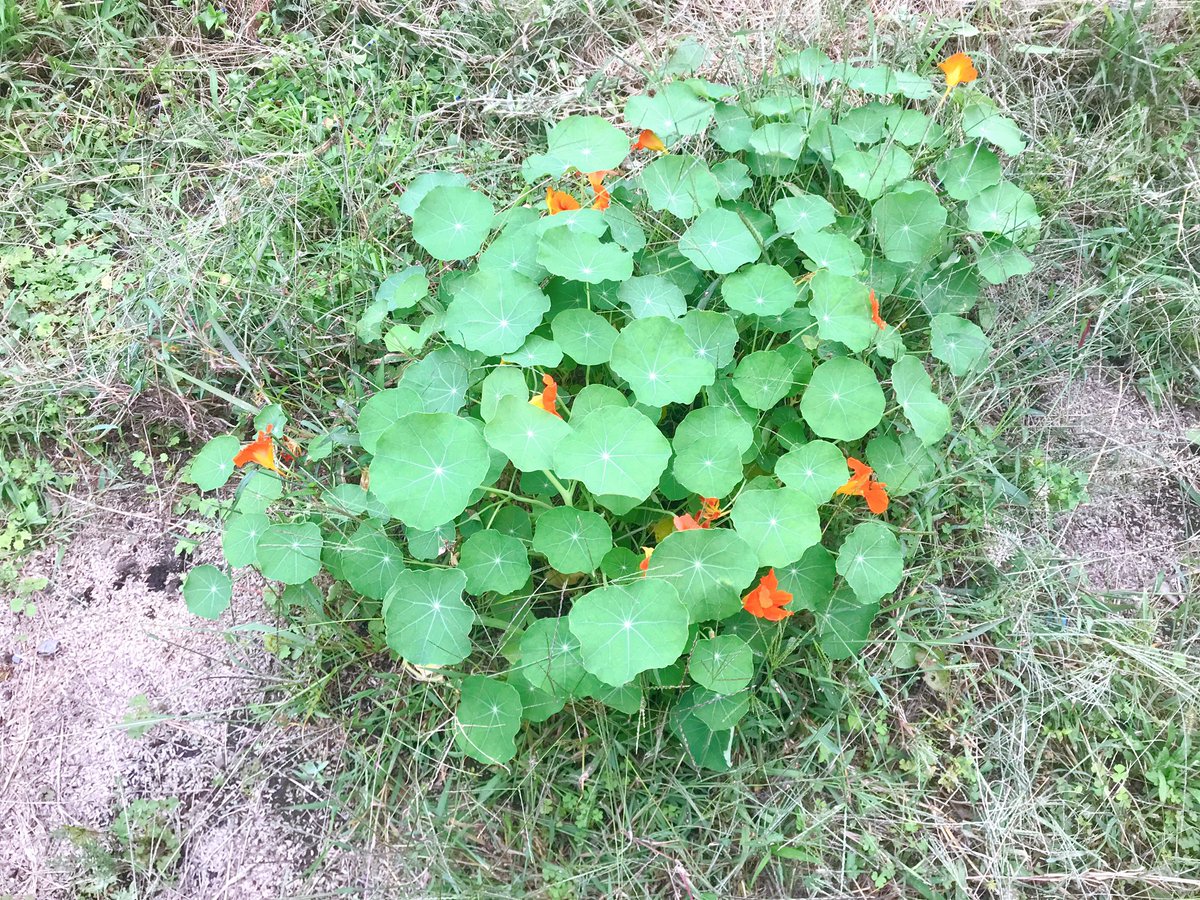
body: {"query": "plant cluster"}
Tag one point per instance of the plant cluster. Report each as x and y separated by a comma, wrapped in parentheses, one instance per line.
(671, 417)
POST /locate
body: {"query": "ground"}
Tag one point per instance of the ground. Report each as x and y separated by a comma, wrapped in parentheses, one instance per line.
(1040, 741)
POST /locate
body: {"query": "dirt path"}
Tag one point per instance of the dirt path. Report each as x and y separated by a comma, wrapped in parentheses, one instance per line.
(117, 705)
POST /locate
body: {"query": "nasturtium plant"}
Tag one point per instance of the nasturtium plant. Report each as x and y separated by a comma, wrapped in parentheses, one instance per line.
(662, 421)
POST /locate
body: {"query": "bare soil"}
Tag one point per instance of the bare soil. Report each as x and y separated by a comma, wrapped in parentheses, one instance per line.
(1137, 531)
(118, 648)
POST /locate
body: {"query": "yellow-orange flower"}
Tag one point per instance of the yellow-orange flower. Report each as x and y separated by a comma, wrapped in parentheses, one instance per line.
(557, 201)
(547, 398)
(648, 140)
(766, 601)
(645, 563)
(596, 180)
(260, 450)
(959, 69)
(875, 317)
(863, 484)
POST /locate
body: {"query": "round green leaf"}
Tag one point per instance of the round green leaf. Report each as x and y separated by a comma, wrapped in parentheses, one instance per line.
(734, 127)
(239, 542)
(780, 524)
(429, 544)
(731, 178)
(627, 629)
(803, 214)
(440, 380)
(809, 580)
(913, 128)
(579, 256)
(290, 553)
(416, 189)
(830, 250)
(501, 382)
(903, 464)
(594, 397)
(587, 143)
(870, 560)
(952, 289)
(763, 378)
(982, 121)
(526, 434)
(843, 400)
(719, 711)
(676, 109)
(213, 465)
(494, 311)
(572, 540)
(584, 336)
(718, 241)
(1003, 209)
(713, 336)
(550, 659)
(652, 295)
(493, 561)
(207, 592)
(959, 343)
(784, 140)
(655, 357)
(967, 170)
(928, 415)
(709, 444)
(382, 411)
(999, 260)
(760, 290)
(844, 623)
(908, 225)
(371, 560)
(425, 619)
(399, 291)
(487, 720)
(869, 173)
(679, 184)
(514, 250)
(451, 222)
(624, 228)
(426, 467)
(708, 567)
(865, 124)
(817, 469)
(842, 308)
(257, 491)
(723, 664)
(537, 353)
(707, 749)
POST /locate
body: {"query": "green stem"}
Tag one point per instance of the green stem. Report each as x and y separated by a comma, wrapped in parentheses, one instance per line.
(511, 496)
(567, 495)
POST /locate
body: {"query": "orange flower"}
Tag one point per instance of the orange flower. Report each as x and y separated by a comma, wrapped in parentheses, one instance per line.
(959, 70)
(261, 451)
(596, 180)
(557, 201)
(863, 484)
(875, 317)
(710, 510)
(645, 563)
(766, 601)
(547, 398)
(648, 140)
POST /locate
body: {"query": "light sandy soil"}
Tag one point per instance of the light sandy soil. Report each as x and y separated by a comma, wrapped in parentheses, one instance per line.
(112, 626)
(1137, 531)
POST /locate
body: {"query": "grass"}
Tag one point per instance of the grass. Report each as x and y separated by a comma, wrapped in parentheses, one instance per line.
(195, 217)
